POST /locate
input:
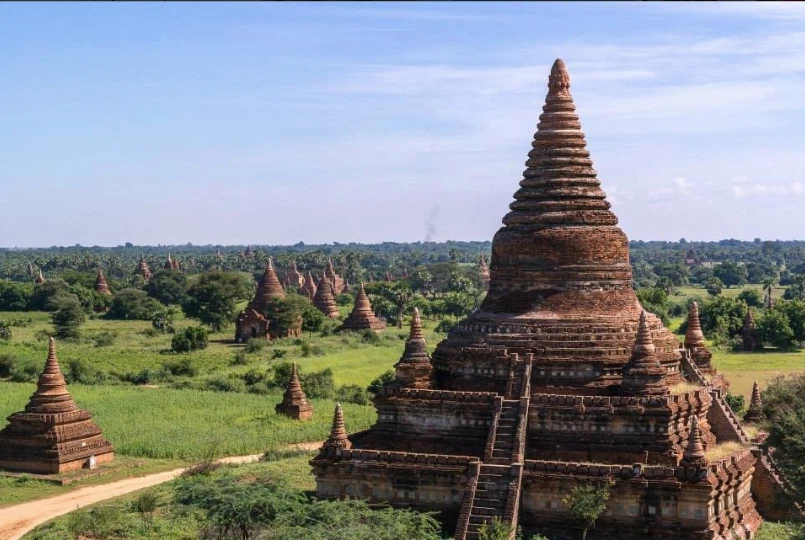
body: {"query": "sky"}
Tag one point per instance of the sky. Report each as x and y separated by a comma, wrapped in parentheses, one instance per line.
(274, 123)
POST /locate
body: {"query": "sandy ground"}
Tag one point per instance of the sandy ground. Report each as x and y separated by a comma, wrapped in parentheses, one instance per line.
(17, 520)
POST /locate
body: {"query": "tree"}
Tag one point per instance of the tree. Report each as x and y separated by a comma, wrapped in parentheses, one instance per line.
(797, 289)
(192, 339)
(730, 273)
(654, 300)
(723, 315)
(68, 317)
(752, 297)
(168, 287)
(587, 503)
(784, 409)
(774, 328)
(15, 296)
(133, 304)
(714, 286)
(213, 299)
(44, 294)
(285, 314)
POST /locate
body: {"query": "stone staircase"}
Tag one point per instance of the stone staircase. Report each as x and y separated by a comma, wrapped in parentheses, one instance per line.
(495, 490)
(723, 421)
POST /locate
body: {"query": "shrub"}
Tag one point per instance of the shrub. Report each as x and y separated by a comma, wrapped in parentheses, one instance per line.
(352, 393)
(68, 318)
(312, 318)
(278, 353)
(104, 339)
(317, 385)
(736, 402)
(773, 328)
(5, 330)
(445, 326)
(240, 359)
(182, 367)
(224, 384)
(344, 299)
(7, 364)
(163, 319)
(131, 304)
(370, 337)
(145, 376)
(306, 349)
(255, 345)
(15, 296)
(25, 373)
(192, 339)
(752, 297)
(375, 386)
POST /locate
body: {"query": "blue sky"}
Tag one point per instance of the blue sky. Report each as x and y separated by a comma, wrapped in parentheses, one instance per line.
(271, 123)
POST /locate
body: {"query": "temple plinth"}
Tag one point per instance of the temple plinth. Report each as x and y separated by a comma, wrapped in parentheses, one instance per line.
(52, 435)
(294, 402)
(559, 379)
(362, 317)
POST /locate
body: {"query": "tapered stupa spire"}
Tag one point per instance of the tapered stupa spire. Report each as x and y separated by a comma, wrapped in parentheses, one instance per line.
(294, 402)
(560, 185)
(414, 368)
(39, 278)
(755, 412)
(694, 337)
(268, 288)
(338, 434)
(362, 316)
(749, 332)
(694, 453)
(644, 375)
(294, 278)
(101, 287)
(168, 263)
(323, 300)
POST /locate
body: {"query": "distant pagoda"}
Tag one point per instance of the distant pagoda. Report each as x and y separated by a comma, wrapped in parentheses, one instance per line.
(101, 287)
(294, 278)
(559, 379)
(52, 435)
(40, 279)
(336, 281)
(308, 288)
(142, 268)
(251, 322)
(362, 317)
(324, 301)
(294, 402)
(483, 272)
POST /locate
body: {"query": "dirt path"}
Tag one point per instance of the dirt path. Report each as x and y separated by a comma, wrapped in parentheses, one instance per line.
(17, 520)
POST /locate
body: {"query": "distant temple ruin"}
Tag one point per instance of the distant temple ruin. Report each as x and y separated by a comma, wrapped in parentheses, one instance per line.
(52, 435)
(560, 380)
(362, 317)
(252, 321)
(142, 268)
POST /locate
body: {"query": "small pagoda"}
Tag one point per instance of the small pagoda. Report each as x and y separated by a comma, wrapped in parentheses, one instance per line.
(101, 287)
(362, 316)
(749, 333)
(559, 379)
(39, 279)
(324, 299)
(252, 322)
(142, 268)
(308, 288)
(755, 412)
(336, 281)
(294, 402)
(52, 435)
(293, 277)
(171, 264)
(414, 369)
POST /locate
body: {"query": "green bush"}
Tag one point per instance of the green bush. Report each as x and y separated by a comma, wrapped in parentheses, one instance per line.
(736, 402)
(67, 318)
(445, 326)
(5, 330)
(375, 386)
(104, 339)
(352, 393)
(240, 359)
(131, 304)
(183, 367)
(15, 296)
(344, 299)
(192, 339)
(370, 337)
(255, 345)
(7, 364)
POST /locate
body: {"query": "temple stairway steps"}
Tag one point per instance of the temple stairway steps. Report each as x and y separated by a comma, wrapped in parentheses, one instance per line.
(490, 497)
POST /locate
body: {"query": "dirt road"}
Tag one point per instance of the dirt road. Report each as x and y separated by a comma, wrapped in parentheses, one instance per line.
(17, 520)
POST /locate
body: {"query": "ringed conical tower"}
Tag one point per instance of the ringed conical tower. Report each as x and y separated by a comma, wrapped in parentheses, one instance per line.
(101, 287)
(52, 435)
(294, 401)
(559, 379)
(362, 317)
(323, 300)
(251, 322)
(142, 268)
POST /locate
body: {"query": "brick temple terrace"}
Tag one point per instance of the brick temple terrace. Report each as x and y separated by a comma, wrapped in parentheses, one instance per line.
(560, 379)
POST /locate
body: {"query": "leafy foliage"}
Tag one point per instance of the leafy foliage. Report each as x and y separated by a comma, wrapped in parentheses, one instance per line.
(132, 304)
(68, 317)
(587, 503)
(168, 287)
(212, 300)
(784, 408)
(192, 339)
